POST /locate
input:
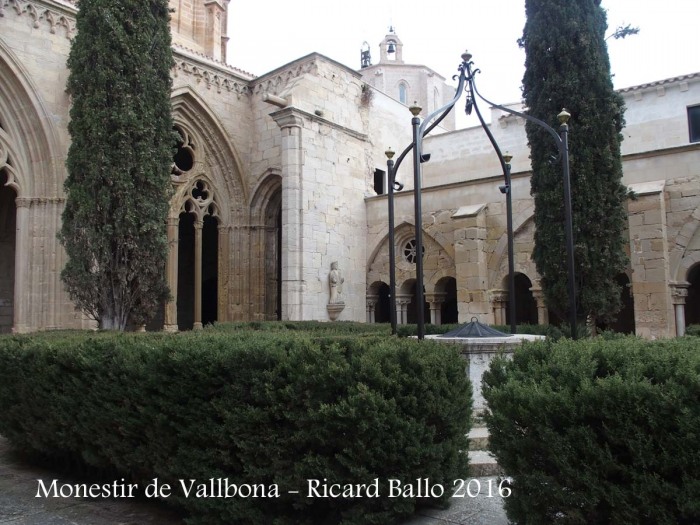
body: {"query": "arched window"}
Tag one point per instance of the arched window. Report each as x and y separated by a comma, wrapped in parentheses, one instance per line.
(436, 99)
(403, 93)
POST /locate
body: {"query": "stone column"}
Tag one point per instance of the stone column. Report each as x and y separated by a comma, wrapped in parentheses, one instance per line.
(402, 302)
(21, 323)
(435, 301)
(292, 252)
(173, 225)
(679, 291)
(223, 267)
(542, 313)
(198, 226)
(372, 301)
(499, 300)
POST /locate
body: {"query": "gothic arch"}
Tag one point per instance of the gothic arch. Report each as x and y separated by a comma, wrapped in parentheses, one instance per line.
(27, 136)
(403, 232)
(265, 192)
(266, 246)
(216, 157)
(33, 169)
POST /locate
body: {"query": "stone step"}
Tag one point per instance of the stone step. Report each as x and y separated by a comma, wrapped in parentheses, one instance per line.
(482, 463)
(478, 438)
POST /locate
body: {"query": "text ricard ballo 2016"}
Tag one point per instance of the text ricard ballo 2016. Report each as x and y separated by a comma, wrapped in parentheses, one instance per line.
(312, 488)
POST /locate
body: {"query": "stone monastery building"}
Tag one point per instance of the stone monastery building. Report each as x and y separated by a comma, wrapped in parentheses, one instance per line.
(277, 177)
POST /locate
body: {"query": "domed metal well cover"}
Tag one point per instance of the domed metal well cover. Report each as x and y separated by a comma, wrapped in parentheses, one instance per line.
(475, 329)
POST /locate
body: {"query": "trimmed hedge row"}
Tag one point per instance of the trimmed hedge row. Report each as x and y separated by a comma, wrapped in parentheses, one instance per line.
(253, 407)
(599, 432)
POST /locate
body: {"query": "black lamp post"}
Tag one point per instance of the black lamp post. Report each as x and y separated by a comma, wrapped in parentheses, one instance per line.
(507, 189)
(391, 184)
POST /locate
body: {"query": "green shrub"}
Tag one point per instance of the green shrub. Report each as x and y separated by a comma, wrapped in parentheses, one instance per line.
(598, 432)
(693, 330)
(248, 405)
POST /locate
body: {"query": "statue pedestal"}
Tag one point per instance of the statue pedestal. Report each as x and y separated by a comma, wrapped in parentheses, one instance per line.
(334, 310)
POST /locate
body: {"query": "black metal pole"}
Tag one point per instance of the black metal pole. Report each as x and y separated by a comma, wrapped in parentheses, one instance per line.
(511, 251)
(564, 133)
(392, 241)
(417, 152)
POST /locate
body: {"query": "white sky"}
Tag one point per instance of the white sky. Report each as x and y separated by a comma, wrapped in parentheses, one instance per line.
(266, 35)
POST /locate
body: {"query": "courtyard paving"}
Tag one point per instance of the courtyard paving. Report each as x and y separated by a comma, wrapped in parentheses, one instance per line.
(19, 506)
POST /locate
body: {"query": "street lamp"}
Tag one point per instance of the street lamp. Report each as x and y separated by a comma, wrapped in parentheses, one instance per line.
(391, 184)
(507, 189)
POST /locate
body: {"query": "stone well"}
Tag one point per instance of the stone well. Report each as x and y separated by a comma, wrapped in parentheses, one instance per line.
(479, 344)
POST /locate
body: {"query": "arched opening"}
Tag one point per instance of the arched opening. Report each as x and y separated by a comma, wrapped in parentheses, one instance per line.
(382, 312)
(448, 308)
(186, 267)
(8, 240)
(210, 270)
(624, 323)
(403, 93)
(273, 257)
(185, 272)
(692, 301)
(525, 304)
(412, 308)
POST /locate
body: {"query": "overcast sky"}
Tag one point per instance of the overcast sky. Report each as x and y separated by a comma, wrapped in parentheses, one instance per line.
(266, 35)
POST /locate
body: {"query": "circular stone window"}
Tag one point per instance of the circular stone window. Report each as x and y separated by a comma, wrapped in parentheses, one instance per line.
(184, 156)
(409, 251)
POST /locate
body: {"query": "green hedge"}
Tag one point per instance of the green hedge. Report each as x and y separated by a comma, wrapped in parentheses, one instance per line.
(693, 330)
(251, 406)
(599, 432)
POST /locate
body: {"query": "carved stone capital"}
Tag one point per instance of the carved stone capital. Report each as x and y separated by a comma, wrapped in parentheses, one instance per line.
(679, 291)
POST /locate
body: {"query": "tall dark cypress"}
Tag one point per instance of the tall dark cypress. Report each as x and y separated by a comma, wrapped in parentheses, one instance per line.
(567, 66)
(118, 184)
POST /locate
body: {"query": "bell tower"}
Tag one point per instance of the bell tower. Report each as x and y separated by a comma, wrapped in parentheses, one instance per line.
(391, 49)
(200, 25)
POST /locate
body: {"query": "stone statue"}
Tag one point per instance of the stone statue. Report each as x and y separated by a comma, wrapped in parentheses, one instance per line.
(335, 280)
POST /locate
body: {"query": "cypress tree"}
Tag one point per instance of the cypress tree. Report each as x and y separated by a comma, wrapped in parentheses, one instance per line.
(567, 66)
(118, 184)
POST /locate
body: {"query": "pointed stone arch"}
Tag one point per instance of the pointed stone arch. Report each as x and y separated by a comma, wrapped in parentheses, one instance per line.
(216, 169)
(27, 135)
(33, 169)
(266, 246)
(216, 156)
(404, 231)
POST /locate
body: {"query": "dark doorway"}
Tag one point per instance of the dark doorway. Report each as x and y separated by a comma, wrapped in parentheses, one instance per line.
(273, 258)
(525, 304)
(210, 270)
(448, 310)
(8, 241)
(692, 302)
(185, 272)
(382, 312)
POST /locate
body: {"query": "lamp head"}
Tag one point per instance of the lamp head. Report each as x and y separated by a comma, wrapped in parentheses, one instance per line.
(507, 157)
(415, 109)
(564, 116)
(389, 153)
(466, 56)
